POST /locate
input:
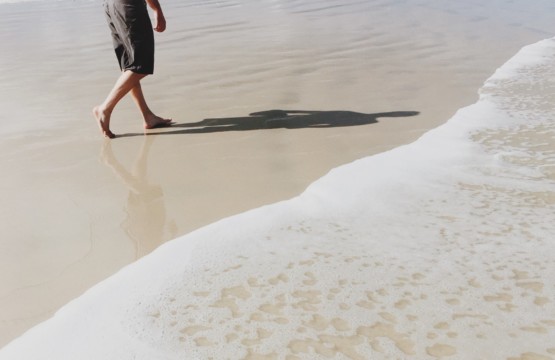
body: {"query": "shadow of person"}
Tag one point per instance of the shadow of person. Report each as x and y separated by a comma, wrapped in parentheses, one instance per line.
(146, 221)
(286, 119)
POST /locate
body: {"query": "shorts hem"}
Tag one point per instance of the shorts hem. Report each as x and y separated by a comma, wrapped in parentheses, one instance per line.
(138, 70)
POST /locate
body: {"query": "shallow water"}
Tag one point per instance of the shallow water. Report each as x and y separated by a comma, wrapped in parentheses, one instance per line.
(75, 209)
(441, 248)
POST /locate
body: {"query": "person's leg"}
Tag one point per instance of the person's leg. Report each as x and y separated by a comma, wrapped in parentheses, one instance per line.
(127, 81)
(151, 120)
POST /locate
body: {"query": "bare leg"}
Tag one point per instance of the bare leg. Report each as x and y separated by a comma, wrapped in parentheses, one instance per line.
(127, 81)
(151, 121)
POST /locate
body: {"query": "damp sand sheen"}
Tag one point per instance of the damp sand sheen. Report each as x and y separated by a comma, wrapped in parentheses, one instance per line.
(73, 209)
(442, 248)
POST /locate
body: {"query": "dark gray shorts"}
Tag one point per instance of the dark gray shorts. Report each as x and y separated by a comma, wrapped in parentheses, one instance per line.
(132, 34)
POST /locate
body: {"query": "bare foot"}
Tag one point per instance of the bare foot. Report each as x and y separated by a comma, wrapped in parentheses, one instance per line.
(103, 120)
(153, 121)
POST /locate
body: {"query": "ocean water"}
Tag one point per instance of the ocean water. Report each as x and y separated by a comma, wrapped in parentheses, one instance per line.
(440, 248)
(283, 53)
(73, 208)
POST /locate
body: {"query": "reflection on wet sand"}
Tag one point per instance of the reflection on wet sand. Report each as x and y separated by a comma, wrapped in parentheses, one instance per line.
(146, 222)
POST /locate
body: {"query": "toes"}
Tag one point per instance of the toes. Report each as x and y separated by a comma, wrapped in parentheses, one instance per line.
(159, 123)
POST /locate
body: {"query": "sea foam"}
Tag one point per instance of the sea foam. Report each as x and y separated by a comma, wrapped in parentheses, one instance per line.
(443, 247)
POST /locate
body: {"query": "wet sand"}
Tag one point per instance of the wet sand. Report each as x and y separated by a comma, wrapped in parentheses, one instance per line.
(349, 79)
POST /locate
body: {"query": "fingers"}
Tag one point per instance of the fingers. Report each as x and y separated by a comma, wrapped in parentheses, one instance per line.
(160, 27)
(160, 23)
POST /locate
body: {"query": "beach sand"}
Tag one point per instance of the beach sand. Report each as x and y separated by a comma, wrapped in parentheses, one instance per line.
(77, 208)
(439, 248)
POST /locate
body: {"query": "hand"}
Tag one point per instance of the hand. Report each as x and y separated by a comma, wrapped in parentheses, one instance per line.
(160, 24)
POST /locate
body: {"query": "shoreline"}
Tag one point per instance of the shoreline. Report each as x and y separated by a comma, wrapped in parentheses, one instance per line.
(76, 209)
(331, 273)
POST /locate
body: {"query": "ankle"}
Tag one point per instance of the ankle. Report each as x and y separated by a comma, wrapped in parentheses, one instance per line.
(148, 114)
(104, 110)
